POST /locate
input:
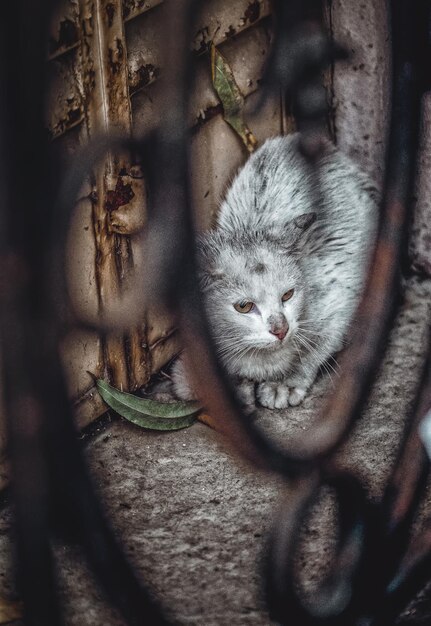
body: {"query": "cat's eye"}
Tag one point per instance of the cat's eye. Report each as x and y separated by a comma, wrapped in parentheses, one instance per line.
(244, 306)
(286, 296)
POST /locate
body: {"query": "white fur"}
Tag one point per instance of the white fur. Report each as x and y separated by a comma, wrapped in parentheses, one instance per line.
(262, 247)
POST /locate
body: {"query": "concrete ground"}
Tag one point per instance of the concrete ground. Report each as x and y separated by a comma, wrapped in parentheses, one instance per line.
(193, 519)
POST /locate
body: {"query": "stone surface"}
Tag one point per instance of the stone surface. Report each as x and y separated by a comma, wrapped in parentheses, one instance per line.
(193, 518)
(420, 243)
(361, 85)
(361, 106)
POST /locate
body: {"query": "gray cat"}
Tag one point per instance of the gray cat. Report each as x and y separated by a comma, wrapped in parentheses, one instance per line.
(280, 276)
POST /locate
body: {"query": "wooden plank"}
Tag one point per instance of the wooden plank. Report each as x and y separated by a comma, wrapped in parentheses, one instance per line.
(217, 153)
(63, 34)
(247, 54)
(65, 102)
(105, 81)
(218, 22)
(135, 8)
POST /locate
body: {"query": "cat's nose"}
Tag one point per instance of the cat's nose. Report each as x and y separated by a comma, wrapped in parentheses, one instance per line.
(280, 334)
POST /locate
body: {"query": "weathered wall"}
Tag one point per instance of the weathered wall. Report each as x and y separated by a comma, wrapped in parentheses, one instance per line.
(361, 85)
(106, 70)
(361, 101)
(420, 246)
(105, 67)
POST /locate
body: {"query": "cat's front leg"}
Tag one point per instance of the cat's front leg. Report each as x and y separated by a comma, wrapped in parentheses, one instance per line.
(183, 390)
(182, 387)
(244, 391)
(300, 382)
(273, 394)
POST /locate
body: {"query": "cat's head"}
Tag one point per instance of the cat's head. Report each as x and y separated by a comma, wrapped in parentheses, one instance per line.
(254, 287)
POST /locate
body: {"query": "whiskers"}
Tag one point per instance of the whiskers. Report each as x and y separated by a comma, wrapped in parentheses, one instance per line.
(311, 340)
(313, 329)
(232, 349)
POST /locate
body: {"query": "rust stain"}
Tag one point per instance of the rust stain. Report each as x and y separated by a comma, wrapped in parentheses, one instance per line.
(143, 76)
(110, 12)
(126, 10)
(122, 194)
(231, 31)
(209, 421)
(67, 36)
(74, 116)
(115, 57)
(201, 41)
(205, 116)
(252, 12)
(132, 5)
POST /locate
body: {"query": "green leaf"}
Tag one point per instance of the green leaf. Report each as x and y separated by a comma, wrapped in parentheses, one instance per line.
(149, 413)
(231, 98)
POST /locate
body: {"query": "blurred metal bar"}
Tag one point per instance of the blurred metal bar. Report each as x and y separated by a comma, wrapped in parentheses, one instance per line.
(50, 477)
(24, 217)
(370, 579)
(405, 564)
(51, 486)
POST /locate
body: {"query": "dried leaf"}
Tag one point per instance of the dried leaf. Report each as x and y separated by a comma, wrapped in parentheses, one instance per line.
(10, 611)
(231, 98)
(208, 420)
(149, 413)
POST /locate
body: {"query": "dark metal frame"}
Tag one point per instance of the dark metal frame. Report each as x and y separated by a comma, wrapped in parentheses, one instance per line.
(376, 570)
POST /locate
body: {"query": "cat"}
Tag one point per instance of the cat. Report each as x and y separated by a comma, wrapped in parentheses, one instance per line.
(281, 275)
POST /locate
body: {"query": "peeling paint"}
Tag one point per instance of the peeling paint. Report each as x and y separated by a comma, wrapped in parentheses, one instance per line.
(102, 100)
(64, 28)
(126, 205)
(74, 117)
(206, 115)
(202, 40)
(216, 23)
(143, 76)
(230, 32)
(116, 56)
(65, 101)
(110, 12)
(122, 194)
(252, 12)
(131, 8)
(67, 36)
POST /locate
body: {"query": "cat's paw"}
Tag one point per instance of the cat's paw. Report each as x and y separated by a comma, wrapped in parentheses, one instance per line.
(296, 396)
(273, 395)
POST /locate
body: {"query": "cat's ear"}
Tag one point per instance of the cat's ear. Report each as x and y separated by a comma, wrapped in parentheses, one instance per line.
(304, 221)
(291, 239)
(209, 273)
(296, 229)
